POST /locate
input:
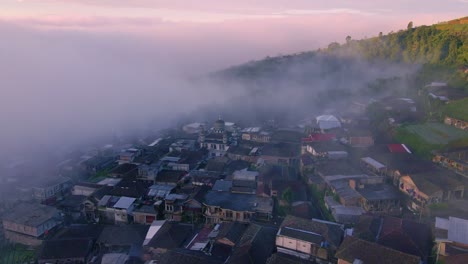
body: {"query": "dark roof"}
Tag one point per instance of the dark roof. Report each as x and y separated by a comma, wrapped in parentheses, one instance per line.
(332, 232)
(255, 246)
(185, 256)
(91, 231)
(337, 167)
(326, 146)
(281, 150)
(406, 236)
(125, 235)
(400, 234)
(285, 135)
(375, 192)
(215, 165)
(238, 201)
(302, 235)
(368, 252)
(232, 231)
(281, 258)
(238, 150)
(280, 173)
(72, 201)
(125, 170)
(171, 235)
(98, 161)
(130, 188)
(172, 176)
(66, 248)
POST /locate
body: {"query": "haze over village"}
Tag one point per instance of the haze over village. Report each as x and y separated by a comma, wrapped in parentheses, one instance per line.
(233, 132)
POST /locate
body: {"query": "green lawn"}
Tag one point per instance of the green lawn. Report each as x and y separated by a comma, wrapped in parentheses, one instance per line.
(437, 133)
(457, 109)
(424, 138)
(12, 254)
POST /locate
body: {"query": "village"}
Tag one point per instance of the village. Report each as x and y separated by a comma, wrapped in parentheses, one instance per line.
(331, 188)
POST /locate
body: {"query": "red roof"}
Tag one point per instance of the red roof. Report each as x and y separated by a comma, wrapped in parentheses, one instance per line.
(319, 137)
(398, 148)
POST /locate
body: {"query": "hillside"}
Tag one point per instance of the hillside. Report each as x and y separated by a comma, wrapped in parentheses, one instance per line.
(441, 50)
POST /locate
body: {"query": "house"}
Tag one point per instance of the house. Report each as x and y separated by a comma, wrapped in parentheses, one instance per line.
(169, 177)
(73, 207)
(355, 250)
(115, 209)
(29, 223)
(369, 164)
(456, 160)
(164, 235)
(145, 214)
(193, 128)
(174, 206)
(327, 122)
(126, 241)
(193, 206)
(255, 134)
(130, 188)
(74, 250)
(183, 145)
(358, 137)
(380, 199)
(204, 178)
(243, 153)
(50, 190)
(431, 184)
(226, 206)
(129, 155)
(217, 140)
(281, 154)
(85, 188)
(458, 123)
(160, 191)
(309, 239)
(451, 236)
(327, 149)
(147, 172)
(98, 163)
(403, 235)
(244, 181)
(125, 170)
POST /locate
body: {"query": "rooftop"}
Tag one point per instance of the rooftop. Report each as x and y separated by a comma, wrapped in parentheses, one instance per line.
(353, 249)
(239, 202)
(332, 232)
(281, 150)
(457, 229)
(66, 248)
(376, 192)
(222, 186)
(31, 214)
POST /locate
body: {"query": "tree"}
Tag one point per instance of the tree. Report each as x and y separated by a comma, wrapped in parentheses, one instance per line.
(287, 195)
(348, 39)
(410, 25)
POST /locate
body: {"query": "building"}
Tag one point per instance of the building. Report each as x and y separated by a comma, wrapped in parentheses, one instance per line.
(451, 236)
(174, 206)
(98, 163)
(129, 155)
(183, 145)
(147, 172)
(116, 210)
(354, 250)
(52, 189)
(226, 206)
(216, 141)
(314, 239)
(458, 123)
(28, 223)
(326, 149)
(403, 235)
(255, 134)
(327, 122)
(456, 160)
(193, 128)
(281, 154)
(145, 214)
(169, 177)
(61, 251)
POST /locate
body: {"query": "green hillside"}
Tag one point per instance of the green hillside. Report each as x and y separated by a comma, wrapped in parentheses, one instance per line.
(441, 50)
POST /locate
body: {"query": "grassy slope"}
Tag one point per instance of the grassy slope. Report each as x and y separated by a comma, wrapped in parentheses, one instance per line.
(457, 109)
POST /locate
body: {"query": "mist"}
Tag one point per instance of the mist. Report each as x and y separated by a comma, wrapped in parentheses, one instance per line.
(68, 87)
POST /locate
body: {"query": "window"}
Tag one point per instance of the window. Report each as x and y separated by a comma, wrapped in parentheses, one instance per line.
(229, 214)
